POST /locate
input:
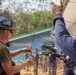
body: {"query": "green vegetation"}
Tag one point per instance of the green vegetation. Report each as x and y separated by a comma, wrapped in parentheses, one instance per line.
(26, 22)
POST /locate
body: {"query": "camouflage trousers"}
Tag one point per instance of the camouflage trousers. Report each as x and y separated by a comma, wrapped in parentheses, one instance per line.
(52, 70)
(35, 69)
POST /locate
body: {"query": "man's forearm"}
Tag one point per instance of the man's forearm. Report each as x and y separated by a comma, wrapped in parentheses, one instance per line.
(16, 52)
(45, 53)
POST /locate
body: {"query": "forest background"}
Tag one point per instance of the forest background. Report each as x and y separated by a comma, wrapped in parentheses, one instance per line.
(28, 15)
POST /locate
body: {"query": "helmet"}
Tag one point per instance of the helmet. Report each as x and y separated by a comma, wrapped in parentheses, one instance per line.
(6, 23)
(40, 53)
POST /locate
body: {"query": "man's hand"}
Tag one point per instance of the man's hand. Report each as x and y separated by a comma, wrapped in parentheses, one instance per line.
(57, 8)
(27, 50)
(29, 62)
(62, 58)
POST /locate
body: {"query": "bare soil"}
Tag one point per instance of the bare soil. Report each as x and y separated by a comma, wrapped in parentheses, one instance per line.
(41, 72)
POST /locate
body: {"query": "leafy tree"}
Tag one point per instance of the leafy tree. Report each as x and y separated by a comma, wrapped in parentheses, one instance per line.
(3, 12)
(30, 22)
(27, 19)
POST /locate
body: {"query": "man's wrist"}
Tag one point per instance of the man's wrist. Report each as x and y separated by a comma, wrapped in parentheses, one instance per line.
(22, 50)
(58, 13)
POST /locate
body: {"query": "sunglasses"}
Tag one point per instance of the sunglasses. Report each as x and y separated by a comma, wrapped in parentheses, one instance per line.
(11, 31)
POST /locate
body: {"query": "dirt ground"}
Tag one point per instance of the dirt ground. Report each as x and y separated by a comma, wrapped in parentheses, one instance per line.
(40, 71)
(24, 72)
